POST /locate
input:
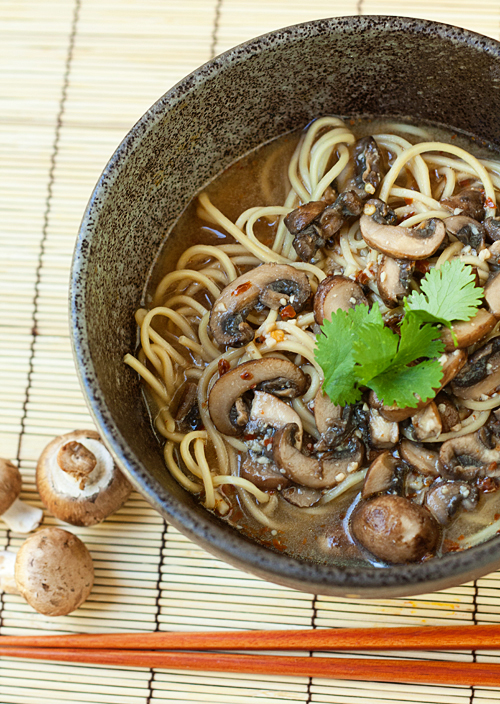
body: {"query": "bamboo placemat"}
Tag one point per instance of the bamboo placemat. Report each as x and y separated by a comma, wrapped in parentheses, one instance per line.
(75, 75)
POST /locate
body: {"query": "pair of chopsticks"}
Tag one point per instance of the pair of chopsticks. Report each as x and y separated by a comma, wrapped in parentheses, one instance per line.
(178, 651)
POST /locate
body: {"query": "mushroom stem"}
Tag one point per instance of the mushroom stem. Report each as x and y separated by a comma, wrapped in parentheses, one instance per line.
(7, 578)
(21, 517)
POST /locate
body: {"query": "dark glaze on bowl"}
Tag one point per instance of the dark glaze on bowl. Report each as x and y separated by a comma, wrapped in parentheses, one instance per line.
(268, 86)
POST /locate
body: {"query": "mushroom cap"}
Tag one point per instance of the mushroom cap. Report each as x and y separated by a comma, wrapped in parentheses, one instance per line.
(468, 332)
(419, 242)
(10, 484)
(336, 292)
(54, 571)
(394, 529)
(80, 508)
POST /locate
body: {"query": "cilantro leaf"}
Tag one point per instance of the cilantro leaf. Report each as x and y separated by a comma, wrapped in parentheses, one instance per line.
(405, 386)
(375, 347)
(448, 294)
(417, 341)
(334, 353)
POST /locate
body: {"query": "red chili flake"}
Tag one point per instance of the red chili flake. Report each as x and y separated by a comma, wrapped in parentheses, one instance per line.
(488, 485)
(451, 546)
(453, 136)
(489, 203)
(466, 182)
(362, 278)
(246, 376)
(496, 516)
(461, 537)
(423, 266)
(224, 366)
(260, 340)
(241, 288)
(409, 201)
(288, 312)
(277, 545)
(250, 436)
(268, 441)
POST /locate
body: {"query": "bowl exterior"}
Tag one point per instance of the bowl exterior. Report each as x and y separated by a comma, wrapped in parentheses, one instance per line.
(251, 94)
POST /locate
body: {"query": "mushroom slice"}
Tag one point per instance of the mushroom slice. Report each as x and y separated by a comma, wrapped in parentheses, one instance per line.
(445, 499)
(492, 294)
(269, 411)
(333, 422)
(318, 473)
(466, 230)
(419, 242)
(367, 160)
(336, 292)
(301, 496)
(393, 280)
(19, 517)
(467, 458)
(381, 475)
(273, 285)
(300, 218)
(383, 433)
(468, 332)
(188, 412)
(480, 377)
(347, 205)
(272, 374)
(427, 422)
(394, 529)
(262, 472)
(451, 363)
(450, 417)
(54, 571)
(78, 480)
(469, 201)
(420, 458)
(492, 228)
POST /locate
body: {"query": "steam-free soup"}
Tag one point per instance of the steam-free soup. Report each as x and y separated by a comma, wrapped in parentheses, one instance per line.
(347, 213)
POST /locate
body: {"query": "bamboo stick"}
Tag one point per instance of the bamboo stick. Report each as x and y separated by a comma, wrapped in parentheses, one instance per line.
(398, 638)
(414, 671)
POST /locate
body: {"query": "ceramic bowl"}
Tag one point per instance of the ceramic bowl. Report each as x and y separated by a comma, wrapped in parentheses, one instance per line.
(250, 94)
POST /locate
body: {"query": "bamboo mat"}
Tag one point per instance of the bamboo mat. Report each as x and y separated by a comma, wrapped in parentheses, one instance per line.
(74, 77)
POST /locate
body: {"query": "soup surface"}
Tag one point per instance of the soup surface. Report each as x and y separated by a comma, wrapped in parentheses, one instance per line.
(320, 225)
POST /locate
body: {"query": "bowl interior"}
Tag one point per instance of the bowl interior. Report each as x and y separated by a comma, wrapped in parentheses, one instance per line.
(251, 94)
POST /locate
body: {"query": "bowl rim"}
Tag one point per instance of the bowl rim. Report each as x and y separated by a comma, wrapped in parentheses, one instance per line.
(217, 537)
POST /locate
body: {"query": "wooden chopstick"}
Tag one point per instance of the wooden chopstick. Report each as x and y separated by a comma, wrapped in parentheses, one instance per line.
(373, 670)
(412, 638)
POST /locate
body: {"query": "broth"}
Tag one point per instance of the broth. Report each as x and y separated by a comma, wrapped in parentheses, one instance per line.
(321, 531)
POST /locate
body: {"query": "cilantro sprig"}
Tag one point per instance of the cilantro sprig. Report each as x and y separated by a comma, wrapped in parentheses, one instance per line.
(356, 350)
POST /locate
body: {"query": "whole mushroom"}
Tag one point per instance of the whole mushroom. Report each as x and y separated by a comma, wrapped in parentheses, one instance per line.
(78, 480)
(54, 571)
(19, 517)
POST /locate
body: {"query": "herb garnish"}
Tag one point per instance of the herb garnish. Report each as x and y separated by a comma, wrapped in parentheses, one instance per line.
(356, 350)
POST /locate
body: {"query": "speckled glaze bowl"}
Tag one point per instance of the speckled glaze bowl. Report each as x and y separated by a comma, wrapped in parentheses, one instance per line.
(250, 94)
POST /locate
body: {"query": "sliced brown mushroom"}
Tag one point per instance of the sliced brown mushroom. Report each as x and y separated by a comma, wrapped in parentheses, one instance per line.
(480, 377)
(394, 529)
(187, 413)
(347, 205)
(468, 332)
(301, 223)
(467, 458)
(450, 417)
(367, 160)
(322, 472)
(272, 374)
(383, 433)
(381, 475)
(273, 285)
(451, 363)
(492, 294)
(393, 280)
(426, 423)
(466, 230)
(494, 258)
(469, 201)
(262, 472)
(419, 242)
(301, 496)
(422, 459)
(336, 292)
(492, 228)
(333, 422)
(445, 499)
(268, 411)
